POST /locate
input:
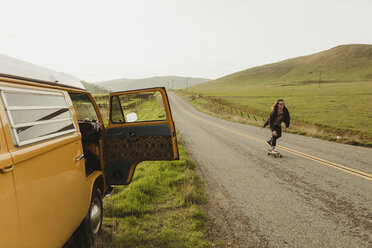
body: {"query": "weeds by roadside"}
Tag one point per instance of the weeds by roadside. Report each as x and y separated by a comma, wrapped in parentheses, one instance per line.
(158, 209)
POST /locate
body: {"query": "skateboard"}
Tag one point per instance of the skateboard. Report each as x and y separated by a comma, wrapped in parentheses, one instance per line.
(274, 154)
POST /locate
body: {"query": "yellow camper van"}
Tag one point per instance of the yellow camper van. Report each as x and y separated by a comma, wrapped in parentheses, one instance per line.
(57, 159)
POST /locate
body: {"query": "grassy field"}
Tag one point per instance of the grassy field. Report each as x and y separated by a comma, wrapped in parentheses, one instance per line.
(161, 207)
(328, 93)
(150, 109)
(333, 109)
(146, 110)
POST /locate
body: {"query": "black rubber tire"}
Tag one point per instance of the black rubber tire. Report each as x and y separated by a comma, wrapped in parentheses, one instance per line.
(91, 227)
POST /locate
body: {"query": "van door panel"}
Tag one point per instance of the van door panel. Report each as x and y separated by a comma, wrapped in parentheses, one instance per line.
(9, 228)
(120, 172)
(128, 143)
(51, 192)
(139, 143)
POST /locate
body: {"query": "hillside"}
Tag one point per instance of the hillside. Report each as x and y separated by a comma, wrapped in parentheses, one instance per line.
(170, 82)
(94, 89)
(335, 109)
(341, 63)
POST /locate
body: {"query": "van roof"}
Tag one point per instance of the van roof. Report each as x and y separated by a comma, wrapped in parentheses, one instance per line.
(18, 68)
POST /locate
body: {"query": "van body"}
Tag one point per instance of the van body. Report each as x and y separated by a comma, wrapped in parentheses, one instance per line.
(57, 159)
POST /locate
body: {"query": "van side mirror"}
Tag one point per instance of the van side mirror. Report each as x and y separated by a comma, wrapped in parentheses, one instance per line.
(131, 117)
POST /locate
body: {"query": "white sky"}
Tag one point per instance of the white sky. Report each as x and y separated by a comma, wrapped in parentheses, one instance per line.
(102, 40)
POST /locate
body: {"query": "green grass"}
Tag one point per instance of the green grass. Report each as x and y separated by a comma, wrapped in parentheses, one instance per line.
(147, 110)
(333, 109)
(160, 208)
(342, 63)
(338, 107)
(341, 106)
(150, 110)
(102, 101)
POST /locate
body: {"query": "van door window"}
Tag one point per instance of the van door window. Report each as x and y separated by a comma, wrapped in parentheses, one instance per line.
(90, 128)
(147, 106)
(36, 115)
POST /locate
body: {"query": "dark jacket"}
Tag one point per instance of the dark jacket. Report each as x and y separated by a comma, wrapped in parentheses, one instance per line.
(286, 118)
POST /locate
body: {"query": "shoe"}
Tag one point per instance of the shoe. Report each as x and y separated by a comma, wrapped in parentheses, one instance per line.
(275, 150)
(269, 142)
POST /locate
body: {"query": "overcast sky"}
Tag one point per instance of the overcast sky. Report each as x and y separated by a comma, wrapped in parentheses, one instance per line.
(101, 40)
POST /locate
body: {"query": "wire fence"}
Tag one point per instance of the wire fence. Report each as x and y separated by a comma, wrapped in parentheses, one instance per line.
(234, 110)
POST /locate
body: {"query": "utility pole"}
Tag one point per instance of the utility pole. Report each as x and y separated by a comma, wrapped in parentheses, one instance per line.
(187, 84)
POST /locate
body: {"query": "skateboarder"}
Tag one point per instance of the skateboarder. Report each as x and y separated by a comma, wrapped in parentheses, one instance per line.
(278, 115)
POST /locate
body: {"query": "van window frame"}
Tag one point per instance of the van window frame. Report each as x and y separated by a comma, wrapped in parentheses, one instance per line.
(14, 126)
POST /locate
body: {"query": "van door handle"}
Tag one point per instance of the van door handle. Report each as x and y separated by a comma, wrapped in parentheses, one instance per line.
(79, 158)
(7, 169)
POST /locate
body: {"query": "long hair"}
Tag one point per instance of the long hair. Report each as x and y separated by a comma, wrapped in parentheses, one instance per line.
(274, 108)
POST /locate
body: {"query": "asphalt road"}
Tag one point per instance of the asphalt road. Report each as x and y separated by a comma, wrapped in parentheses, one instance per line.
(318, 195)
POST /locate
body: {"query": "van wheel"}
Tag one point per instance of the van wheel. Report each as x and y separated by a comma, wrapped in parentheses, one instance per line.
(91, 227)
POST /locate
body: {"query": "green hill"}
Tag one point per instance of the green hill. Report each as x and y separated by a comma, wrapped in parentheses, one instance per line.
(338, 106)
(170, 82)
(341, 63)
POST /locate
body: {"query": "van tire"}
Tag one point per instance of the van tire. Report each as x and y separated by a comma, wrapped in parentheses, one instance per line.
(91, 227)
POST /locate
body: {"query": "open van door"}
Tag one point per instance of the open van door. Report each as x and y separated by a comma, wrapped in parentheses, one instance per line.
(140, 128)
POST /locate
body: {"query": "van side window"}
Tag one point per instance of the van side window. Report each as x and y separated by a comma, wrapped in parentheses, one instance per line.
(83, 107)
(36, 115)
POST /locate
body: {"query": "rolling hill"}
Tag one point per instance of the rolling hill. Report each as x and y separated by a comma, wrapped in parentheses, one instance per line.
(170, 82)
(341, 63)
(333, 108)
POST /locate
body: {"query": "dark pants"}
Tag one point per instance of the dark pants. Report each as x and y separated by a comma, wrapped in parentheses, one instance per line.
(278, 130)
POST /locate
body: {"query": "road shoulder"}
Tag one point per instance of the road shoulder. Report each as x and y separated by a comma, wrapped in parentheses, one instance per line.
(227, 226)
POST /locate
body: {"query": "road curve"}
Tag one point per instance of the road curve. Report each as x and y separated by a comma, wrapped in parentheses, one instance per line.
(318, 195)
